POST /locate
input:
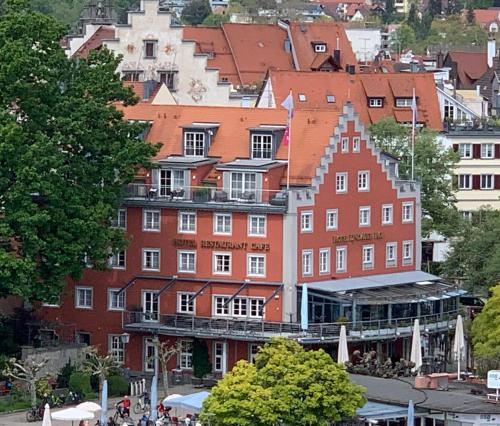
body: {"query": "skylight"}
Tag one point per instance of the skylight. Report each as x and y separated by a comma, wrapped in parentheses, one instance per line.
(302, 97)
(330, 99)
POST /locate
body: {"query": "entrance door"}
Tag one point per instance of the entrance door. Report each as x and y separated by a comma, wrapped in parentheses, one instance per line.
(149, 306)
(318, 313)
(149, 355)
(220, 357)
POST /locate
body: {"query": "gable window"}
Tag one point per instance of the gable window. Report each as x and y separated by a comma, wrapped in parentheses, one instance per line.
(168, 78)
(243, 183)
(150, 220)
(464, 181)
(465, 150)
(116, 299)
(184, 303)
(320, 48)
(375, 102)
(306, 222)
(407, 212)
(344, 147)
(262, 146)
(170, 181)
(487, 182)
(332, 219)
(355, 144)
(368, 256)
(364, 216)
(186, 261)
(83, 297)
(307, 266)
(187, 223)
(341, 183)
(222, 223)
(403, 102)
(391, 255)
(150, 49)
(151, 259)
(364, 181)
(256, 226)
(194, 144)
(387, 214)
(487, 150)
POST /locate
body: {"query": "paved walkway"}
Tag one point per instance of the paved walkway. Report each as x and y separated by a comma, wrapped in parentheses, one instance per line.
(19, 419)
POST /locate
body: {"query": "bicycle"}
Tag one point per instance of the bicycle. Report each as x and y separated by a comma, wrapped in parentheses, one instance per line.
(143, 404)
(34, 414)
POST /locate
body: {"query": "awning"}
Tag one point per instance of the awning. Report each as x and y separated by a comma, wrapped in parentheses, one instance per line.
(378, 411)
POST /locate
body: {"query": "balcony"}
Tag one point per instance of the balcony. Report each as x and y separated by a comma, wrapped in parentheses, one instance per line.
(258, 330)
(206, 196)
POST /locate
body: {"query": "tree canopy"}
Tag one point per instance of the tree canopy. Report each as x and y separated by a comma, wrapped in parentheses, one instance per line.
(433, 169)
(286, 385)
(65, 155)
(196, 11)
(475, 252)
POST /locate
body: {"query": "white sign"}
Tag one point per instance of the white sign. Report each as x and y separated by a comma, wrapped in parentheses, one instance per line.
(493, 379)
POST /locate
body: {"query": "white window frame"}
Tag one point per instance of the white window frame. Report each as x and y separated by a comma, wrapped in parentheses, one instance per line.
(306, 225)
(407, 260)
(320, 48)
(224, 217)
(111, 292)
(247, 178)
(466, 215)
(258, 143)
(249, 263)
(362, 209)
(186, 354)
(403, 102)
(148, 343)
(239, 307)
(356, 144)
(390, 208)
(145, 222)
(307, 253)
(144, 254)
(118, 222)
(461, 180)
(220, 364)
(487, 153)
(483, 178)
(404, 217)
(341, 176)
(391, 262)
(324, 261)
(363, 180)
(195, 148)
(256, 304)
(258, 217)
(114, 260)
(116, 347)
(375, 102)
(180, 223)
(78, 303)
(332, 225)
(253, 350)
(344, 145)
(465, 150)
(180, 254)
(190, 308)
(368, 264)
(214, 262)
(221, 299)
(343, 267)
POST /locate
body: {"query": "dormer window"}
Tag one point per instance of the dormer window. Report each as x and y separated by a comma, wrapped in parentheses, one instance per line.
(150, 49)
(376, 102)
(403, 102)
(194, 144)
(320, 48)
(262, 146)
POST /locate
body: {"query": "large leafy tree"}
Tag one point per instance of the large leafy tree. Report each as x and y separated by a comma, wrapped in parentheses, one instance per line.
(196, 11)
(65, 155)
(433, 169)
(475, 252)
(287, 385)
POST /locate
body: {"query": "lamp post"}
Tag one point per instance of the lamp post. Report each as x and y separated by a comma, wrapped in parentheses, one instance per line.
(125, 339)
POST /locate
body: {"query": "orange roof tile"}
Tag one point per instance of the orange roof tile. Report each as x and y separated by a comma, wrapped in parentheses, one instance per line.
(95, 41)
(357, 89)
(310, 132)
(486, 16)
(304, 33)
(470, 66)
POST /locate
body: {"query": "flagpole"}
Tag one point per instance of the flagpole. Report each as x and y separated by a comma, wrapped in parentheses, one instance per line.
(289, 124)
(413, 125)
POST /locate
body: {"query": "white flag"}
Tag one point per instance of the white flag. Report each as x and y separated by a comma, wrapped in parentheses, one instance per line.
(288, 105)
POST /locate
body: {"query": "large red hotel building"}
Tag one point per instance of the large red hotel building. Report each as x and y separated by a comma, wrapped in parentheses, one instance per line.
(219, 248)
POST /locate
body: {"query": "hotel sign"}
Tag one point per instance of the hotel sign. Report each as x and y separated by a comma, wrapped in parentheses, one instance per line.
(357, 237)
(221, 245)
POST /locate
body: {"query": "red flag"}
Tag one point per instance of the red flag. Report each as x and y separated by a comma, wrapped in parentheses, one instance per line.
(286, 137)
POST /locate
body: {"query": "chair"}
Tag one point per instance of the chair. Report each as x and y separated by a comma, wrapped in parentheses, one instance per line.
(248, 196)
(221, 196)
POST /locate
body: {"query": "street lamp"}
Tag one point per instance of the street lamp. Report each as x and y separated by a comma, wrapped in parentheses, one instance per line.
(125, 338)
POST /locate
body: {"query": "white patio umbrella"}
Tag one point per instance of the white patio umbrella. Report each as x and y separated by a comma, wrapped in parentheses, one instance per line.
(343, 354)
(416, 348)
(89, 406)
(72, 414)
(459, 342)
(46, 416)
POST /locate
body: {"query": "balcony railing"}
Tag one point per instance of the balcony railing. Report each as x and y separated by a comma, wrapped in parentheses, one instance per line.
(247, 329)
(206, 194)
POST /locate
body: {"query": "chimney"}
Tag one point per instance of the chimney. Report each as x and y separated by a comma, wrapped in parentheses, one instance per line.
(478, 90)
(413, 66)
(288, 46)
(336, 56)
(351, 69)
(440, 60)
(492, 50)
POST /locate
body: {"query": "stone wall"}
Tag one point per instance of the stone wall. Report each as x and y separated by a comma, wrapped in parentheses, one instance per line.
(57, 356)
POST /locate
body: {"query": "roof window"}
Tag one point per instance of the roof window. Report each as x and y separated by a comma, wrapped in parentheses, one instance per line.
(330, 99)
(302, 97)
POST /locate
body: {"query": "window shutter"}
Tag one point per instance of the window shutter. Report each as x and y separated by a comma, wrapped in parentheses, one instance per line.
(187, 184)
(497, 150)
(455, 147)
(226, 181)
(476, 150)
(476, 181)
(258, 184)
(155, 176)
(497, 181)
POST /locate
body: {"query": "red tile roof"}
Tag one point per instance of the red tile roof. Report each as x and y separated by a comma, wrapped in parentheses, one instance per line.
(470, 66)
(303, 34)
(357, 89)
(486, 16)
(95, 41)
(310, 132)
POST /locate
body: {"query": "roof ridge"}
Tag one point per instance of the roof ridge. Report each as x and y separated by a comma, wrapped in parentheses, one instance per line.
(232, 53)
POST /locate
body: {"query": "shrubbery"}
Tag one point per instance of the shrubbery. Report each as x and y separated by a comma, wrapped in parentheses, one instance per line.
(117, 386)
(80, 383)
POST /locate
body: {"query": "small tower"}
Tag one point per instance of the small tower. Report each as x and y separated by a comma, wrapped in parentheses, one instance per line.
(97, 12)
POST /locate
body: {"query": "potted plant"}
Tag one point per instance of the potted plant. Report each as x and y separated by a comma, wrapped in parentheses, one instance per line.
(201, 194)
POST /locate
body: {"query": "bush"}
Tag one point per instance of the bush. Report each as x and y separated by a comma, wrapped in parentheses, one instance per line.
(64, 375)
(80, 383)
(117, 386)
(10, 404)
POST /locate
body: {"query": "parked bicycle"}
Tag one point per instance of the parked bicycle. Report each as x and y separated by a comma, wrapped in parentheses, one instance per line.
(143, 404)
(34, 414)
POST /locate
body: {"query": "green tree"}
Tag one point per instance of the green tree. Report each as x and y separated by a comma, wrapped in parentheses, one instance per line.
(433, 169)
(412, 18)
(471, 16)
(475, 252)
(435, 7)
(196, 11)
(201, 361)
(215, 20)
(287, 385)
(65, 155)
(388, 15)
(403, 38)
